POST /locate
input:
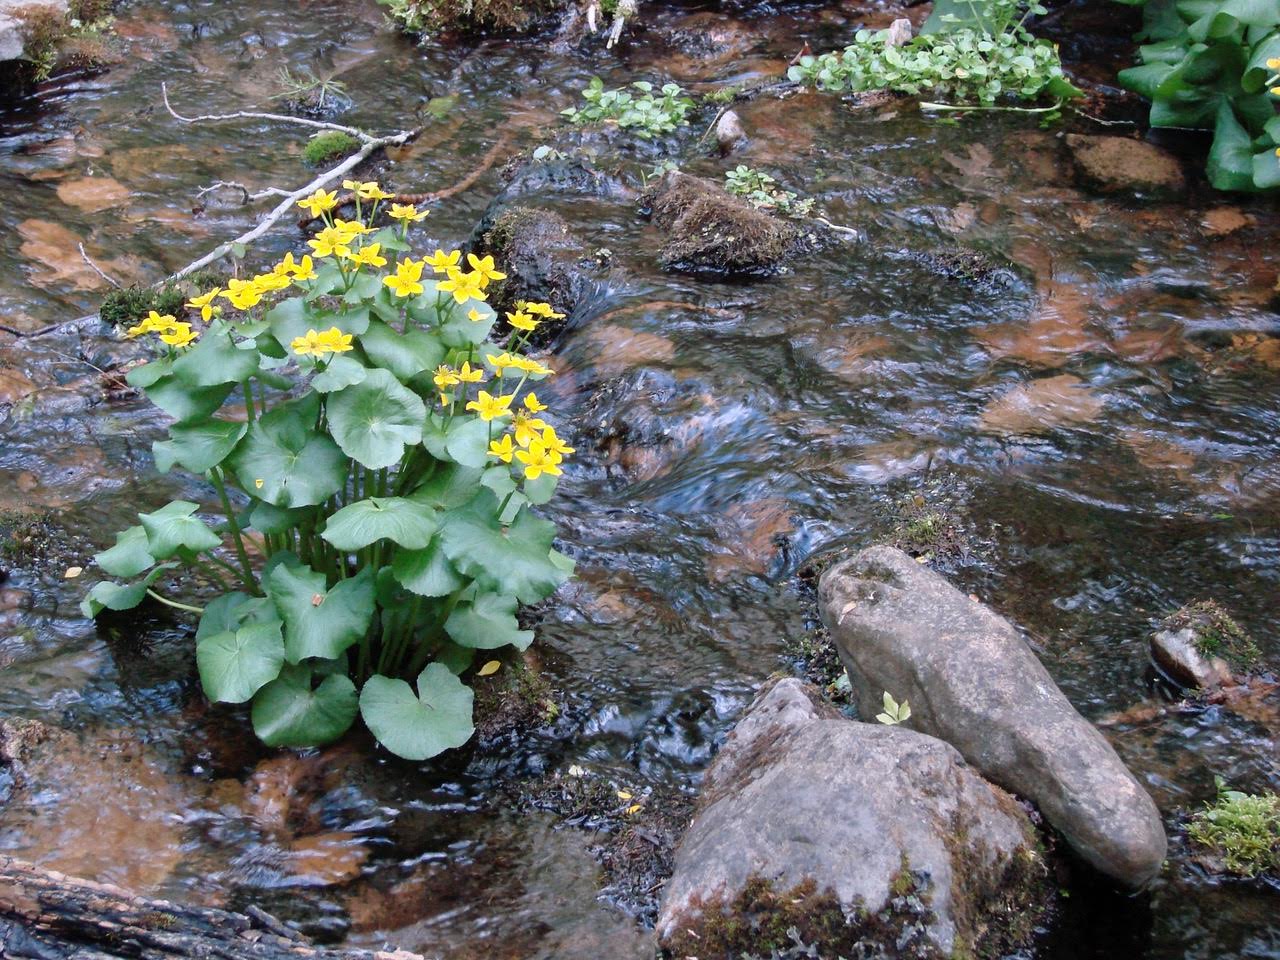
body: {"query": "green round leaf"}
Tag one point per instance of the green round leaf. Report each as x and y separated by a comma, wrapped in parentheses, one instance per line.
(449, 486)
(230, 611)
(298, 467)
(404, 354)
(319, 622)
(199, 446)
(373, 420)
(426, 572)
(341, 371)
(174, 527)
(514, 560)
(129, 557)
(486, 623)
(406, 522)
(465, 440)
(292, 318)
(215, 359)
(185, 403)
(423, 725)
(106, 595)
(287, 712)
(268, 518)
(235, 665)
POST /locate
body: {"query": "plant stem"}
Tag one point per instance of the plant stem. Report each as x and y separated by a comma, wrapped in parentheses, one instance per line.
(249, 412)
(249, 580)
(174, 603)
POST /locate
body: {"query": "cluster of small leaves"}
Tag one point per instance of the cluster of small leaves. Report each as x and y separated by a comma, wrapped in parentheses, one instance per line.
(369, 535)
(1242, 829)
(1213, 64)
(975, 60)
(648, 115)
(430, 16)
(762, 192)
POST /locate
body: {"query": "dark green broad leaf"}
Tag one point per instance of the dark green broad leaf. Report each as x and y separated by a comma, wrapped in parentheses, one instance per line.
(290, 712)
(456, 658)
(199, 446)
(106, 595)
(1230, 163)
(449, 486)
(292, 318)
(144, 376)
(234, 665)
(297, 466)
(268, 518)
(185, 403)
(406, 522)
(175, 527)
(418, 726)
(365, 286)
(541, 489)
(341, 371)
(463, 439)
(487, 622)
(404, 354)
(320, 622)
(373, 420)
(513, 560)
(129, 557)
(328, 280)
(1257, 73)
(229, 612)
(427, 572)
(215, 359)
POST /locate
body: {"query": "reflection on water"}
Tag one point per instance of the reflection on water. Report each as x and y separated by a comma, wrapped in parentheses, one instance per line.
(1099, 402)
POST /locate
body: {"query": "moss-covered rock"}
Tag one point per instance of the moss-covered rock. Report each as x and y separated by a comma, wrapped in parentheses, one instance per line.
(1201, 646)
(327, 146)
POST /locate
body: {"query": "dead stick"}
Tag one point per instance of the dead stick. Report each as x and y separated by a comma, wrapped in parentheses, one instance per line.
(255, 115)
(95, 268)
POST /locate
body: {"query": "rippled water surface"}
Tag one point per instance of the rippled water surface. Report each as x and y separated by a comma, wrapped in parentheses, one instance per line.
(1100, 416)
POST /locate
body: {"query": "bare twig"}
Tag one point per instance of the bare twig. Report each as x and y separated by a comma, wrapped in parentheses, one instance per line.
(255, 115)
(249, 196)
(95, 268)
(836, 227)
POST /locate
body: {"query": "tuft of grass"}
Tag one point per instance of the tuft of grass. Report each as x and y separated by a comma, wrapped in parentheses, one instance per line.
(327, 146)
(1216, 633)
(128, 305)
(1241, 829)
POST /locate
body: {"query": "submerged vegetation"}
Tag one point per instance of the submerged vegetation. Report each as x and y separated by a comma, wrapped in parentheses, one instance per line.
(376, 526)
(1242, 830)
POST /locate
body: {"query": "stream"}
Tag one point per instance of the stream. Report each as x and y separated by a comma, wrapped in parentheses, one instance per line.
(1098, 415)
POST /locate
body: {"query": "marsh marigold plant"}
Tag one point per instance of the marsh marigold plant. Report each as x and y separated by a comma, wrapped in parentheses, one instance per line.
(376, 458)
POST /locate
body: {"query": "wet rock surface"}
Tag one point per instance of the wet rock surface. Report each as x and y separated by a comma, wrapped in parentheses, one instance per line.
(849, 838)
(972, 681)
(1120, 164)
(542, 258)
(1201, 646)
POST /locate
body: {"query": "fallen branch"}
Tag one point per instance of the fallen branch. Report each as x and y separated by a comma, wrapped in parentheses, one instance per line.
(255, 115)
(95, 268)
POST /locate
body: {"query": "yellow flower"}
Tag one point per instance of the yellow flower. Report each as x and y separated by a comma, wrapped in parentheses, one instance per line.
(350, 229)
(467, 375)
(556, 448)
(443, 262)
(522, 321)
(474, 315)
(445, 377)
(500, 361)
(307, 345)
(319, 202)
(1273, 63)
(532, 404)
(484, 267)
(526, 427)
(154, 323)
(1275, 91)
(243, 294)
(179, 335)
(406, 282)
(501, 448)
(330, 242)
(369, 256)
(407, 212)
(335, 341)
(204, 303)
(355, 186)
(271, 281)
(525, 365)
(318, 344)
(285, 267)
(305, 270)
(463, 286)
(491, 407)
(539, 310)
(537, 461)
(366, 191)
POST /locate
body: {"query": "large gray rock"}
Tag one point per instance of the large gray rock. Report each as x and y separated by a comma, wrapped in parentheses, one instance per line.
(14, 15)
(972, 681)
(868, 840)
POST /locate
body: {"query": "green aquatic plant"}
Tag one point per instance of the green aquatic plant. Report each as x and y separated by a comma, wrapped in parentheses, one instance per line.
(971, 54)
(376, 463)
(1215, 64)
(762, 192)
(643, 112)
(430, 16)
(329, 145)
(303, 86)
(1241, 829)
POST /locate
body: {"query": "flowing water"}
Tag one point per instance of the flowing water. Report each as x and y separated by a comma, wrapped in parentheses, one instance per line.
(1099, 415)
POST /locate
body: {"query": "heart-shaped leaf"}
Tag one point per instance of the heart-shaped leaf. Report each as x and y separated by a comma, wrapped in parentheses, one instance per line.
(199, 446)
(106, 595)
(292, 318)
(464, 440)
(215, 359)
(288, 712)
(268, 518)
(341, 371)
(185, 403)
(406, 522)
(426, 572)
(486, 623)
(175, 527)
(423, 725)
(129, 557)
(231, 611)
(297, 466)
(373, 420)
(404, 354)
(513, 560)
(449, 486)
(319, 622)
(235, 665)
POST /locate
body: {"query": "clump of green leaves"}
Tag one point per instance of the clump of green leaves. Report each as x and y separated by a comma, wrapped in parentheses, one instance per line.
(430, 16)
(329, 145)
(762, 192)
(648, 115)
(1212, 64)
(1241, 829)
(127, 305)
(894, 712)
(969, 53)
(1216, 633)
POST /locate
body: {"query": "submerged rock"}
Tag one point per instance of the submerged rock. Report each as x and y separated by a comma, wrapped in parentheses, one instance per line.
(1117, 164)
(1198, 645)
(972, 681)
(542, 258)
(707, 228)
(864, 840)
(729, 132)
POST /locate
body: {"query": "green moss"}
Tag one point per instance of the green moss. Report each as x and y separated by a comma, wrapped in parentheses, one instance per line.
(29, 538)
(1216, 633)
(126, 306)
(513, 699)
(721, 96)
(1242, 831)
(431, 16)
(329, 145)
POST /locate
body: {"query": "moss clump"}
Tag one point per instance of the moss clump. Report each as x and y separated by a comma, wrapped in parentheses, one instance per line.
(514, 699)
(1216, 633)
(27, 538)
(721, 96)
(1242, 831)
(128, 305)
(431, 16)
(329, 145)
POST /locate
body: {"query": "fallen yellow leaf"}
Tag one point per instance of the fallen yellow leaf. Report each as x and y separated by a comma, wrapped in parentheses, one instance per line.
(634, 808)
(73, 572)
(490, 667)
(624, 795)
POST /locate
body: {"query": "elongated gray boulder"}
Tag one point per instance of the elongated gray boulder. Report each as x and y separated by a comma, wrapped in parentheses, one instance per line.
(865, 840)
(971, 680)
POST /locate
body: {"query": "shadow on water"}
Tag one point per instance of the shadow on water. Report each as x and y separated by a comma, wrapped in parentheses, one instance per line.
(1098, 402)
